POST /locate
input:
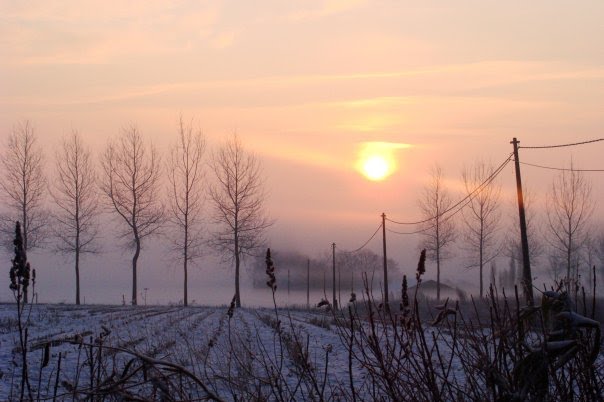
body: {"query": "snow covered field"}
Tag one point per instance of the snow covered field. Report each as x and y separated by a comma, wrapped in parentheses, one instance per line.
(197, 338)
(199, 353)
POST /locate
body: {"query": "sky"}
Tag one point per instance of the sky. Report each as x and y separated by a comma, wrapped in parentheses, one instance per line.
(308, 86)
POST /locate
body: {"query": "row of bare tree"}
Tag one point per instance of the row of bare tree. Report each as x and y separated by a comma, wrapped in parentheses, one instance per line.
(129, 186)
(568, 233)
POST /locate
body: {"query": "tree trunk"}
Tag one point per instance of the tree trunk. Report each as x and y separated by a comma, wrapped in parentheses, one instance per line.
(481, 250)
(237, 262)
(186, 295)
(437, 256)
(25, 223)
(186, 249)
(77, 258)
(569, 250)
(134, 263)
(481, 280)
(438, 274)
(77, 272)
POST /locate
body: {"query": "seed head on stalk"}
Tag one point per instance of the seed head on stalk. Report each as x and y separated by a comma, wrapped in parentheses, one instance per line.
(20, 270)
(404, 295)
(270, 271)
(421, 266)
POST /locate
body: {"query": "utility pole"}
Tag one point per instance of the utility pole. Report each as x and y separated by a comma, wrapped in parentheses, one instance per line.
(527, 277)
(339, 285)
(386, 304)
(288, 282)
(333, 266)
(308, 283)
(324, 288)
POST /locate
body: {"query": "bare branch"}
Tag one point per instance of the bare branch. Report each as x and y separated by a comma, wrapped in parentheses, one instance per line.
(186, 179)
(439, 231)
(74, 191)
(24, 183)
(131, 183)
(481, 217)
(237, 199)
(569, 208)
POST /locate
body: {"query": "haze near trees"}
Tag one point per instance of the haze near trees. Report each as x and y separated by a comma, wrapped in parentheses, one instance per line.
(24, 185)
(481, 217)
(237, 197)
(438, 231)
(24, 182)
(569, 207)
(75, 194)
(513, 245)
(131, 182)
(186, 189)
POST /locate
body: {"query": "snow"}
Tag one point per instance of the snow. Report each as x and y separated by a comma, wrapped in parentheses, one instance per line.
(254, 352)
(202, 339)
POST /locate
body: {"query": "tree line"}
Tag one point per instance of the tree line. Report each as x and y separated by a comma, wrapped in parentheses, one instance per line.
(126, 181)
(566, 236)
(299, 270)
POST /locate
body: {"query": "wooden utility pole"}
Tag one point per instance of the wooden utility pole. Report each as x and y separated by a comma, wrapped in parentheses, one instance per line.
(339, 285)
(333, 265)
(527, 277)
(324, 288)
(386, 303)
(308, 283)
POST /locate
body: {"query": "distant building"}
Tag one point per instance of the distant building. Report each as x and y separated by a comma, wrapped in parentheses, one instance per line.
(428, 289)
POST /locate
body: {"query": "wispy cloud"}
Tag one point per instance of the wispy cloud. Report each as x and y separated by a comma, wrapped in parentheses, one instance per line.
(100, 33)
(301, 153)
(325, 8)
(372, 91)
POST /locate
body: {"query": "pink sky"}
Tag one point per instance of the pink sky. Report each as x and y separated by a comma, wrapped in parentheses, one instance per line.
(305, 83)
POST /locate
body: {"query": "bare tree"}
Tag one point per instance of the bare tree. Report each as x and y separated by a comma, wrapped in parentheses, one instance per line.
(238, 199)
(481, 217)
(24, 184)
(186, 177)
(569, 207)
(131, 183)
(438, 231)
(75, 195)
(360, 262)
(591, 249)
(597, 242)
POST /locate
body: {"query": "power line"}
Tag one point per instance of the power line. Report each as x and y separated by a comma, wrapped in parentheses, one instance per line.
(367, 242)
(410, 233)
(561, 169)
(433, 225)
(468, 197)
(564, 145)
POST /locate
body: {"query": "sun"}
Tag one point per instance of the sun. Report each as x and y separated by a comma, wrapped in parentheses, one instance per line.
(376, 160)
(376, 168)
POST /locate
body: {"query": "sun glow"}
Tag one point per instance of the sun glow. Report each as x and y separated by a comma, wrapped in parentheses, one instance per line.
(376, 168)
(377, 160)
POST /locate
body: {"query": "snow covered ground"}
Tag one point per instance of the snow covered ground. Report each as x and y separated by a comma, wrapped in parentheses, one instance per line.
(195, 352)
(200, 339)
